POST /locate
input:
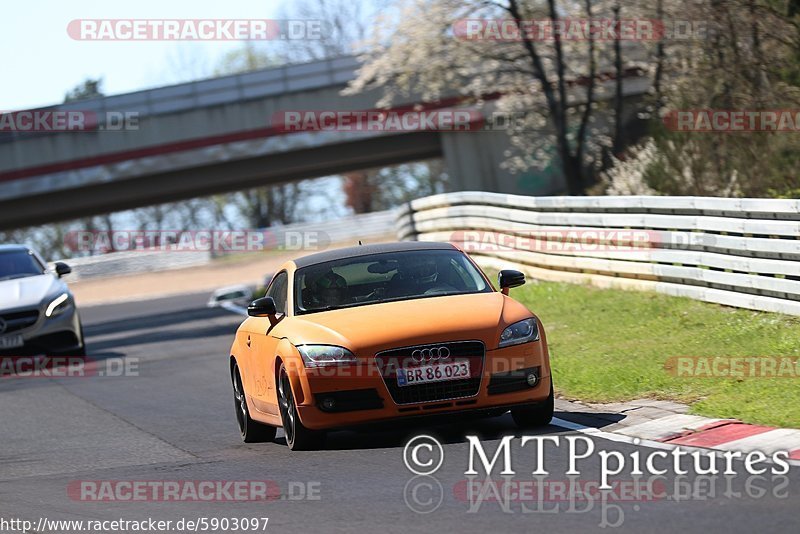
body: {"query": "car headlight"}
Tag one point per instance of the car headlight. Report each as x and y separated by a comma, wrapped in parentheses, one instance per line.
(322, 355)
(58, 305)
(520, 332)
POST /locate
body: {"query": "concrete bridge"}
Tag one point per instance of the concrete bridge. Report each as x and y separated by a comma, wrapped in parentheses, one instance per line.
(217, 135)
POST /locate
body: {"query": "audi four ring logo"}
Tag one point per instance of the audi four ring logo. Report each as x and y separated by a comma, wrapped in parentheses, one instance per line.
(430, 354)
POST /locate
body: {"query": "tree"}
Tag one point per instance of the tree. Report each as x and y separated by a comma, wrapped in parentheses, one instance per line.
(360, 191)
(344, 26)
(245, 59)
(89, 88)
(263, 206)
(553, 81)
(744, 56)
(388, 187)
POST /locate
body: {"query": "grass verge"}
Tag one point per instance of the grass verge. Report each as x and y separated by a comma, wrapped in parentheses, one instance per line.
(611, 345)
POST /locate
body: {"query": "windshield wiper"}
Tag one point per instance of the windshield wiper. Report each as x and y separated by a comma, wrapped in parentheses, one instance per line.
(324, 308)
(330, 307)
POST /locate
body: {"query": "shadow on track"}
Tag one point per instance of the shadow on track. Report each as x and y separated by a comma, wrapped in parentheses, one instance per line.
(396, 434)
(158, 320)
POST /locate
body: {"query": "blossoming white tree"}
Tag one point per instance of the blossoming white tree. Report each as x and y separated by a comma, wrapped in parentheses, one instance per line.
(557, 80)
(711, 54)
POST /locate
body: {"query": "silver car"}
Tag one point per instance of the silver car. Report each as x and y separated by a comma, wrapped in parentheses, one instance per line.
(37, 310)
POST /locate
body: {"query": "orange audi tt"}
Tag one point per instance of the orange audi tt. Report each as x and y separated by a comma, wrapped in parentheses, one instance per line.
(385, 332)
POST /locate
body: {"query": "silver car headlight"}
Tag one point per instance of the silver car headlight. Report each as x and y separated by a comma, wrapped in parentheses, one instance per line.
(322, 355)
(520, 332)
(58, 305)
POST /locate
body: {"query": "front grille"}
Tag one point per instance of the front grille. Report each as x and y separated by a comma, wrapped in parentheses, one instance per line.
(390, 360)
(18, 320)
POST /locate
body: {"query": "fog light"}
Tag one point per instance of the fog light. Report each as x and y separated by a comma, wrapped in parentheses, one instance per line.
(328, 403)
(532, 379)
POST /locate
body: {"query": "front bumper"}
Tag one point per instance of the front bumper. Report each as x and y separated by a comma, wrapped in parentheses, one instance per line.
(361, 396)
(50, 335)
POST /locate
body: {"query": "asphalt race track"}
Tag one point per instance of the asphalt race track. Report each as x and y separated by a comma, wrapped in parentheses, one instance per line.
(175, 422)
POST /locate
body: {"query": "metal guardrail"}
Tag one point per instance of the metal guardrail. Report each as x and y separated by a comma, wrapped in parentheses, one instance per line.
(133, 262)
(296, 236)
(737, 252)
(345, 231)
(311, 237)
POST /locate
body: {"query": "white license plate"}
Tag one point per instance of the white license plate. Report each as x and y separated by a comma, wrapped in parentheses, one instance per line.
(439, 372)
(11, 342)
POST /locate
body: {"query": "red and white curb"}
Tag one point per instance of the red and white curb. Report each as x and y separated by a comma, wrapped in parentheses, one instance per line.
(696, 432)
(733, 435)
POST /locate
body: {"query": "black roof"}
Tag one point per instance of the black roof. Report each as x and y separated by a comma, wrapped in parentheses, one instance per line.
(365, 250)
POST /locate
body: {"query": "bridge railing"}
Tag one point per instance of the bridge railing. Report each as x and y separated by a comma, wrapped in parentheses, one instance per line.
(737, 252)
(222, 90)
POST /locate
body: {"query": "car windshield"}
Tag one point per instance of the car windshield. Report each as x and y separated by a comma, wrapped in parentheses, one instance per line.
(18, 264)
(385, 277)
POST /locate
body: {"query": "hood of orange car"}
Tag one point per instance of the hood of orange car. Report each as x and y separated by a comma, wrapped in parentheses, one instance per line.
(374, 327)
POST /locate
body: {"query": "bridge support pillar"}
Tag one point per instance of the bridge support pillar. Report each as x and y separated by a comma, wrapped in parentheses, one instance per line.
(474, 159)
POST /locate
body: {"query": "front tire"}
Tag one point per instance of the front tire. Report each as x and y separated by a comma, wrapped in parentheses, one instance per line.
(251, 431)
(298, 437)
(536, 414)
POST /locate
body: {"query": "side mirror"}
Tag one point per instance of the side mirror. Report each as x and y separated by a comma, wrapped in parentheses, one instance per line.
(262, 307)
(62, 268)
(509, 278)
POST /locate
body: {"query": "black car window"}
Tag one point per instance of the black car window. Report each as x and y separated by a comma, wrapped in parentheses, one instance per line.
(278, 291)
(18, 264)
(384, 277)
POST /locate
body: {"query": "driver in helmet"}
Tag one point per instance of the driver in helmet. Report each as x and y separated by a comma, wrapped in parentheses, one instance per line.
(421, 271)
(330, 289)
(414, 276)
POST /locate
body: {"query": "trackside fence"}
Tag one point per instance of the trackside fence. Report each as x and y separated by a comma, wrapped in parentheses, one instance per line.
(343, 231)
(737, 252)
